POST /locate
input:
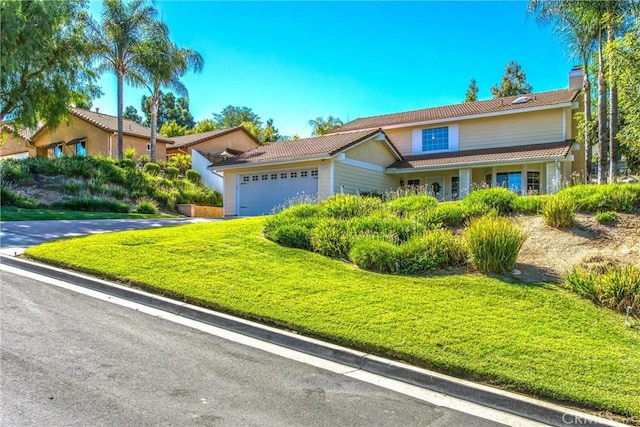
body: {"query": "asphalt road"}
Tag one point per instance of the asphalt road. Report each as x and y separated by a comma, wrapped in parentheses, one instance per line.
(21, 234)
(70, 360)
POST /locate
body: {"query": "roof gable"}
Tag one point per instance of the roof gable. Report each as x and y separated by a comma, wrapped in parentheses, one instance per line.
(110, 124)
(466, 109)
(308, 148)
(196, 138)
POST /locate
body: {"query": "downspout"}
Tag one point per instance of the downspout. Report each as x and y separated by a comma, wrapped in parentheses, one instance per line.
(111, 144)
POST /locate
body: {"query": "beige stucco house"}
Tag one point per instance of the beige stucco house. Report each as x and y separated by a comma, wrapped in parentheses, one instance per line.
(86, 133)
(525, 143)
(232, 140)
(16, 144)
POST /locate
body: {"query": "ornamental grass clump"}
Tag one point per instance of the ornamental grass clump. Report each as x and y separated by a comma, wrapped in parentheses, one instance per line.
(292, 227)
(559, 211)
(416, 204)
(605, 197)
(494, 243)
(146, 206)
(345, 206)
(499, 199)
(612, 284)
(331, 237)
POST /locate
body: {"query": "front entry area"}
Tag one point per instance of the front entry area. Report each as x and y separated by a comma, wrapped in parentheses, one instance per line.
(259, 193)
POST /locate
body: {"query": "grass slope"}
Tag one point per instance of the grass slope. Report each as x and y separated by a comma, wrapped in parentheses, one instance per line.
(8, 213)
(541, 340)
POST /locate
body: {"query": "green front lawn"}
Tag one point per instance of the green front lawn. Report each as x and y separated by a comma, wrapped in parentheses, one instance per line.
(8, 213)
(537, 339)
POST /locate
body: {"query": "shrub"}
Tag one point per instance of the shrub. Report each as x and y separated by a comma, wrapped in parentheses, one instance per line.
(411, 204)
(529, 204)
(614, 285)
(292, 227)
(180, 161)
(171, 172)
(72, 186)
(374, 253)
(96, 186)
(144, 159)
(85, 202)
(194, 176)
(559, 211)
(499, 199)
(116, 191)
(129, 153)
(606, 217)
(345, 206)
(151, 168)
(166, 197)
(331, 237)
(494, 243)
(605, 197)
(146, 206)
(15, 171)
(391, 227)
(9, 197)
(127, 164)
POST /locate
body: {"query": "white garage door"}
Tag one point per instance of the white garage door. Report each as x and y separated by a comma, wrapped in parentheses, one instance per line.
(260, 192)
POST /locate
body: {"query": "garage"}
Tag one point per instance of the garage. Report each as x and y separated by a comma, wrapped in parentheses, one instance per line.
(260, 192)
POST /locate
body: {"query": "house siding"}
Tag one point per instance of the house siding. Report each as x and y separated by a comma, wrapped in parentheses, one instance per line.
(12, 145)
(374, 152)
(503, 131)
(352, 179)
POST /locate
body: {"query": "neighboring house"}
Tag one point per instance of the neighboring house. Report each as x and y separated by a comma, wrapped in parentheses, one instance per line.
(16, 144)
(524, 143)
(207, 148)
(91, 133)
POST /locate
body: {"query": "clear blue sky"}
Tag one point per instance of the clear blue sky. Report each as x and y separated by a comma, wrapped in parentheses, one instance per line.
(294, 61)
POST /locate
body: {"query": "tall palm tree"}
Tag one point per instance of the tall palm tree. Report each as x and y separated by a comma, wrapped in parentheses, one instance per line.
(162, 65)
(578, 27)
(124, 24)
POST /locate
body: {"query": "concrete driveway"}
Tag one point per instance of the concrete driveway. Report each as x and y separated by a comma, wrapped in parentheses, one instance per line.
(16, 236)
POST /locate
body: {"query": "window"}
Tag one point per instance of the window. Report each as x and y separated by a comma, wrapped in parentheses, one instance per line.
(148, 146)
(264, 177)
(455, 187)
(245, 179)
(283, 176)
(58, 151)
(304, 174)
(510, 180)
(533, 182)
(413, 182)
(435, 139)
(294, 174)
(81, 149)
(314, 173)
(254, 178)
(274, 176)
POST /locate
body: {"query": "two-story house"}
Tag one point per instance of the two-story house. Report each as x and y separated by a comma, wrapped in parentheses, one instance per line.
(525, 143)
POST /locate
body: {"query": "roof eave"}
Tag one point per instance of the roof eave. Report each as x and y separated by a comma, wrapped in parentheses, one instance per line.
(289, 160)
(474, 165)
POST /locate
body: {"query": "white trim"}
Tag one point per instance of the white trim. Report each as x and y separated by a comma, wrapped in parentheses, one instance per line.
(452, 136)
(332, 190)
(360, 164)
(271, 162)
(564, 125)
(473, 116)
(473, 166)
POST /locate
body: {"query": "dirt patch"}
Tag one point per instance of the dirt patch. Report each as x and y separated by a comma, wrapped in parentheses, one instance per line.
(549, 253)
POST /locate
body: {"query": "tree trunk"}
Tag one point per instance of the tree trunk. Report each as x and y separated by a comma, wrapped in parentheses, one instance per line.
(613, 115)
(602, 115)
(155, 101)
(587, 120)
(120, 114)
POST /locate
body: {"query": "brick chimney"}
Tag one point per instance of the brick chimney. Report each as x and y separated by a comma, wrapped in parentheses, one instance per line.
(576, 77)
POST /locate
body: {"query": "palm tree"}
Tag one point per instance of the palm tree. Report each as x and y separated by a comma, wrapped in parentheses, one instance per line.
(322, 126)
(123, 26)
(162, 65)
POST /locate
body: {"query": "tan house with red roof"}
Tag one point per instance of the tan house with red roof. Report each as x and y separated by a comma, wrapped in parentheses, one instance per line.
(91, 133)
(16, 144)
(219, 141)
(525, 143)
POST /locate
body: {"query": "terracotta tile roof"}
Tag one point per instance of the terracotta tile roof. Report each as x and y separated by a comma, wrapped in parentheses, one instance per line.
(25, 134)
(462, 110)
(110, 124)
(189, 140)
(317, 147)
(552, 150)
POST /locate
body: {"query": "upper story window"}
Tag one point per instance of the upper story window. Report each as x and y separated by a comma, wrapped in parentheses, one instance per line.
(435, 139)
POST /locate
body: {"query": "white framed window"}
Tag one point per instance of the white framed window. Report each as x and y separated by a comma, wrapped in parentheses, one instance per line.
(304, 174)
(148, 146)
(245, 179)
(264, 177)
(254, 178)
(314, 172)
(274, 176)
(533, 182)
(294, 174)
(413, 182)
(435, 139)
(283, 176)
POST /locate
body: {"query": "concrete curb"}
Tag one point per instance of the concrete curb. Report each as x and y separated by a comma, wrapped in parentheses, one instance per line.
(512, 403)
